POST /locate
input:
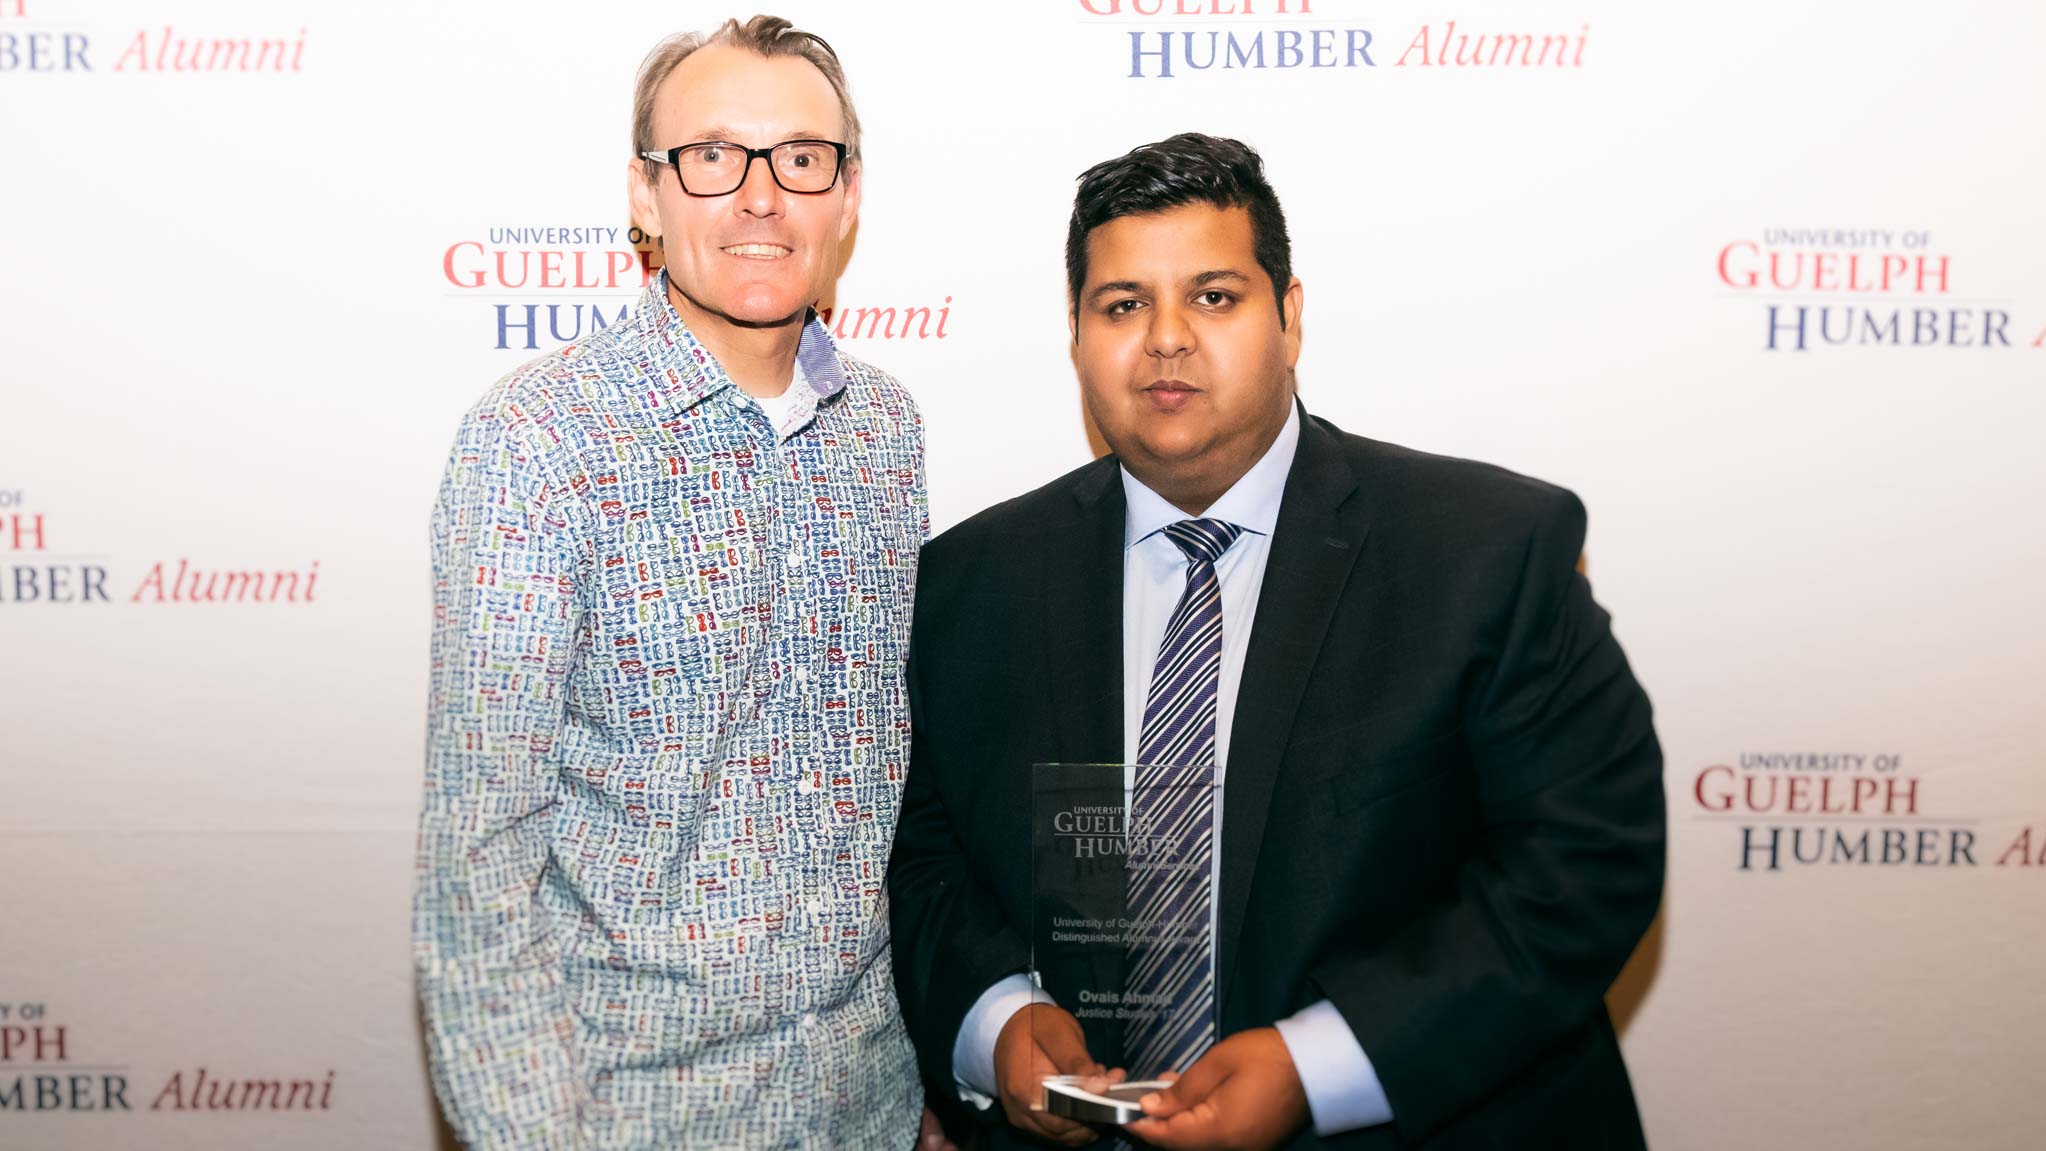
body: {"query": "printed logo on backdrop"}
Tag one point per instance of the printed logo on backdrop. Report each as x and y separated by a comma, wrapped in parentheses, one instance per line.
(1800, 810)
(47, 37)
(1177, 39)
(44, 1067)
(1816, 289)
(40, 564)
(530, 287)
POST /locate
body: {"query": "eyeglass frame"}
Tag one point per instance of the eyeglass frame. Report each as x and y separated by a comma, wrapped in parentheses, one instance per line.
(673, 159)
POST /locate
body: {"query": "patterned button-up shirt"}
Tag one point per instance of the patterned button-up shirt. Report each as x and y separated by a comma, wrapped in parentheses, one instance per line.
(666, 746)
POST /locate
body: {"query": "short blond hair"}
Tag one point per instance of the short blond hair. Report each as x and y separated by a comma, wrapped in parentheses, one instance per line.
(769, 36)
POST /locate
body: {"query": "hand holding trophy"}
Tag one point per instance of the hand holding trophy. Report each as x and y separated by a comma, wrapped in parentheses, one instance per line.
(1043, 1043)
(1122, 925)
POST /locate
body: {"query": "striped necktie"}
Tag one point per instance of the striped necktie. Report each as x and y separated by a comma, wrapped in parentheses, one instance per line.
(1174, 802)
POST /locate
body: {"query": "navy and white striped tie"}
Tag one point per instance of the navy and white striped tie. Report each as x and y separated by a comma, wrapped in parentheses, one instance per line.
(1174, 803)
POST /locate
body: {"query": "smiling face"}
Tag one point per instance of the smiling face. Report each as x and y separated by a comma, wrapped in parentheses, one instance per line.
(1183, 361)
(759, 256)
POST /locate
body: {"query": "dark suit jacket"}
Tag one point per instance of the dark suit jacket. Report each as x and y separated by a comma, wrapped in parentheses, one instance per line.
(1443, 802)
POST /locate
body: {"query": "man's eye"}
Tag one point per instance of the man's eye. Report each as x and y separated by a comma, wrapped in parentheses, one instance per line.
(710, 155)
(1214, 299)
(1122, 307)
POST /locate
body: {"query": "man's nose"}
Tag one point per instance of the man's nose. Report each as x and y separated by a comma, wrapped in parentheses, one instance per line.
(758, 194)
(1169, 334)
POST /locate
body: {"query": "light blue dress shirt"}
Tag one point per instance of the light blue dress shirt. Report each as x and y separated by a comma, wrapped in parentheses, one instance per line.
(1343, 1092)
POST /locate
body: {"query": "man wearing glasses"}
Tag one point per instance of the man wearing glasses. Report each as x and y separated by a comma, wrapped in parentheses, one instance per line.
(668, 728)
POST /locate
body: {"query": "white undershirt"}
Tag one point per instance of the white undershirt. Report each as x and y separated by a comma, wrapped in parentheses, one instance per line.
(779, 408)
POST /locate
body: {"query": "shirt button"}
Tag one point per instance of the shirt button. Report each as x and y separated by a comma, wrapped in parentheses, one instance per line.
(816, 907)
(795, 559)
(809, 1020)
(802, 675)
(807, 784)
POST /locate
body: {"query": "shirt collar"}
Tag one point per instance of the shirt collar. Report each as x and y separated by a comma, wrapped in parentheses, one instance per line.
(685, 371)
(794, 408)
(1251, 503)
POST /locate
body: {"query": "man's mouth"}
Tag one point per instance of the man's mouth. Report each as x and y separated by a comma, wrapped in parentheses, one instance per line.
(758, 251)
(1171, 395)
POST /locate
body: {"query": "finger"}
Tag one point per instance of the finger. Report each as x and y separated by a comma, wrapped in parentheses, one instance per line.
(1066, 1131)
(1194, 1127)
(1040, 1122)
(1070, 1132)
(1028, 1112)
(1092, 1075)
(1155, 1133)
(1066, 1048)
(1096, 1081)
(1196, 1084)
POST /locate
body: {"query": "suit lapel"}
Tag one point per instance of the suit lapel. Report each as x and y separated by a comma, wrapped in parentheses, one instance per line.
(1320, 531)
(1083, 618)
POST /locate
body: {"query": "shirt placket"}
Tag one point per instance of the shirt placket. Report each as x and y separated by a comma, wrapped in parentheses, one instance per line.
(793, 624)
(799, 782)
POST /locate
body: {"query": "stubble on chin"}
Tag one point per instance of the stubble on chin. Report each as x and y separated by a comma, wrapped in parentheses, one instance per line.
(703, 307)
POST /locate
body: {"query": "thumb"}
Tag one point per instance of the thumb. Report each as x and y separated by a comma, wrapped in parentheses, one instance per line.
(1187, 1091)
(1060, 1039)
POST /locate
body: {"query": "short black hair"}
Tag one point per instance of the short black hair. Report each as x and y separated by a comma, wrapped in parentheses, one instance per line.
(1189, 168)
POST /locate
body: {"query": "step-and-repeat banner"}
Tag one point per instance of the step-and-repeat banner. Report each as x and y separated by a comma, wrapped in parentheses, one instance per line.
(1762, 283)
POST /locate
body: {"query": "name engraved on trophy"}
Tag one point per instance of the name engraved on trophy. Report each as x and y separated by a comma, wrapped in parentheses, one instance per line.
(1120, 1005)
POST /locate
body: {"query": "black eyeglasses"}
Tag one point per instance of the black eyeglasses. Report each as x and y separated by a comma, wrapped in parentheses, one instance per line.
(805, 167)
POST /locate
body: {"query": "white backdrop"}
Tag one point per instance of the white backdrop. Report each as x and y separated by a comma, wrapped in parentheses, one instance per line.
(232, 342)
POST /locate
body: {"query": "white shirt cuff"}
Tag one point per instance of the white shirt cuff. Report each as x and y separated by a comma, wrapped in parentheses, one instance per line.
(973, 1053)
(1343, 1092)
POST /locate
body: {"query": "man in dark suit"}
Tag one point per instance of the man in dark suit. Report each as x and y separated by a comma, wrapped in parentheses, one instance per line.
(1438, 801)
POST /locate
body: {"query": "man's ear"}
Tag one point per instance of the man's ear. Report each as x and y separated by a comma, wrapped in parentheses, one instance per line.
(849, 212)
(639, 191)
(1290, 306)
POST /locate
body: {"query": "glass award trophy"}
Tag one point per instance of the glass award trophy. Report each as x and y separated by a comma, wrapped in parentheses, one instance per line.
(1122, 922)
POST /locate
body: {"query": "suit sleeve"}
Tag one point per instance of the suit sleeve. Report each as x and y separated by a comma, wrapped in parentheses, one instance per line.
(951, 940)
(1452, 1004)
(498, 1022)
